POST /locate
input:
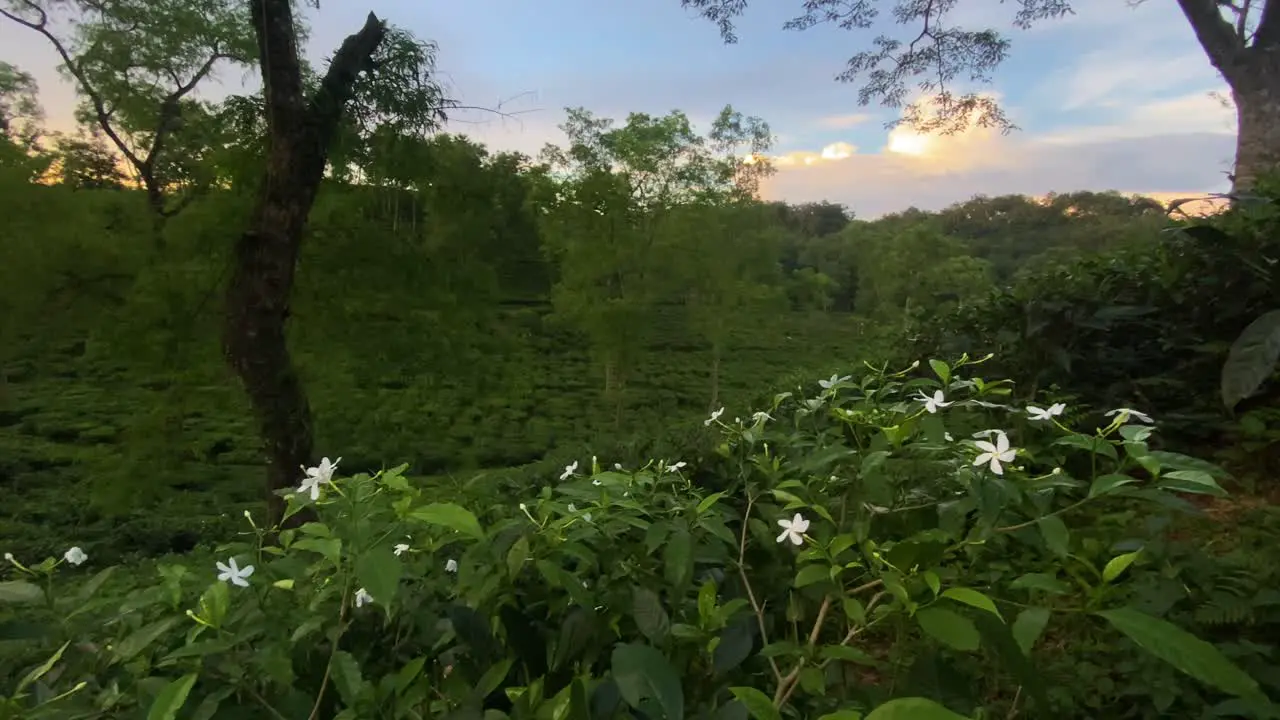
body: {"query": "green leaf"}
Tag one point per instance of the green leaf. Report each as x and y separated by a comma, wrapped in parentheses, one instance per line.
(1252, 359)
(493, 677)
(757, 703)
(575, 633)
(942, 370)
(651, 617)
(172, 698)
(1041, 581)
(1178, 461)
(93, 584)
(452, 516)
(141, 639)
(810, 574)
(1109, 483)
(1184, 651)
(678, 557)
(972, 598)
(1028, 626)
(847, 654)
(1118, 565)
(20, 592)
(517, 555)
(346, 676)
(842, 715)
(707, 602)
(42, 670)
(407, 674)
(950, 628)
(1091, 443)
(914, 708)
(379, 571)
(1055, 534)
(1191, 481)
(735, 646)
(708, 501)
(643, 673)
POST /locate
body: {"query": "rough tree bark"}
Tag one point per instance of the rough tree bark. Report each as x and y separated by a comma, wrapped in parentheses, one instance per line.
(257, 303)
(1249, 60)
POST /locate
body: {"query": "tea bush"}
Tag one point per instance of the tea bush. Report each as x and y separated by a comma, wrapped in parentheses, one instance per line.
(889, 546)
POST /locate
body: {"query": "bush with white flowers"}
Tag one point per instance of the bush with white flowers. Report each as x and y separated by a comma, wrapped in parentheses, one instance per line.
(639, 593)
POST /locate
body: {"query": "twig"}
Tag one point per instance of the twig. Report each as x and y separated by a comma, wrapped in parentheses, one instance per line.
(742, 572)
(333, 652)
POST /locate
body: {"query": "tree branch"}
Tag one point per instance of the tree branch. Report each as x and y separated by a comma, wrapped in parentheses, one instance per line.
(1216, 35)
(1267, 36)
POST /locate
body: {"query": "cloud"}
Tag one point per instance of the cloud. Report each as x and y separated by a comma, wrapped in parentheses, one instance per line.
(840, 122)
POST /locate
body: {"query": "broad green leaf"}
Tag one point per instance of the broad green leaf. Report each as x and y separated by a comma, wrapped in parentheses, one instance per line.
(141, 639)
(20, 592)
(1109, 483)
(651, 617)
(1055, 534)
(43, 669)
(1041, 581)
(1091, 443)
(1184, 651)
(1191, 481)
(575, 633)
(1178, 461)
(972, 598)
(842, 715)
(942, 370)
(452, 516)
(810, 574)
(1252, 359)
(914, 708)
(1028, 626)
(678, 557)
(847, 654)
(757, 703)
(407, 674)
(346, 676)
(493, 677)
(950, 628)
(641, 673)
(1118, 565)
(171, 699)
(735, 646)
(517, 555)
(93, 584)
(706, 602)
(378, 571)
(708, 501)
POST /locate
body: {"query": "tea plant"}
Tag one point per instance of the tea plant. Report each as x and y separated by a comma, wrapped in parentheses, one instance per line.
(846, 544)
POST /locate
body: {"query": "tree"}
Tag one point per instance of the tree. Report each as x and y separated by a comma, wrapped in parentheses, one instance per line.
(86, 163)
(1240, 37)
(136, 64)
(300, 130)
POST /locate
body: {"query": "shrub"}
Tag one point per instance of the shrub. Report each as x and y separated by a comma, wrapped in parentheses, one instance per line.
(929, 529)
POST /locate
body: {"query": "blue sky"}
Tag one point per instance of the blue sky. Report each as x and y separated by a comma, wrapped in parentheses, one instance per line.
(1115, 97)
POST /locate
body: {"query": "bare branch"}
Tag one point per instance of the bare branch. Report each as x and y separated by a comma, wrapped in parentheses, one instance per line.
(1267, 36)
(1216, 35)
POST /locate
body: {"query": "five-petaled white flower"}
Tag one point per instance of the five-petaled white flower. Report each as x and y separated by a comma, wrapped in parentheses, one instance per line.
(676, 467)
(714, 417)
(947, 435)
(233, 573)
(451, 566)
(569, 470)
(400, 549)
(833, 381)
(794, 528)
(573, 508)
(1048, 413)
(75, 555)
(760, 417)
(1126, 413)
(993, 455)
(317, 476)
(363, 597)
(933, 403)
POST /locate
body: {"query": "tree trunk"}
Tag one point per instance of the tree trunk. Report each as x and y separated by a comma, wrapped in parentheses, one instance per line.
(265, 257)
(1257, 99)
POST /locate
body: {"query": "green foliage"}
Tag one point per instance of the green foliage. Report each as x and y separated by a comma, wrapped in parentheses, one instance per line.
(643, 591)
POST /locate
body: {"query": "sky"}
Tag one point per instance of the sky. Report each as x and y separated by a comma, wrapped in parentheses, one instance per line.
(1118, 96)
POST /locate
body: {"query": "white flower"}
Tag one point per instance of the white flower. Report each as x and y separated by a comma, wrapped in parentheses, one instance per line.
(236, 575)
(569, 470)
(676, 467)
(317, 476)
(524, 508)
(363, 597)
(1048, 413)
(8, 556)
(451, 566)
(947, 435)
(400, 549)
(794, 528)
(573, 508)
(597, 482)
(586, 516)
(828, 384)
(760, 417)
(714, 417)
(617, 466)
(1126, 413)
(75, 555)
(995, 454)
(933, 403)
